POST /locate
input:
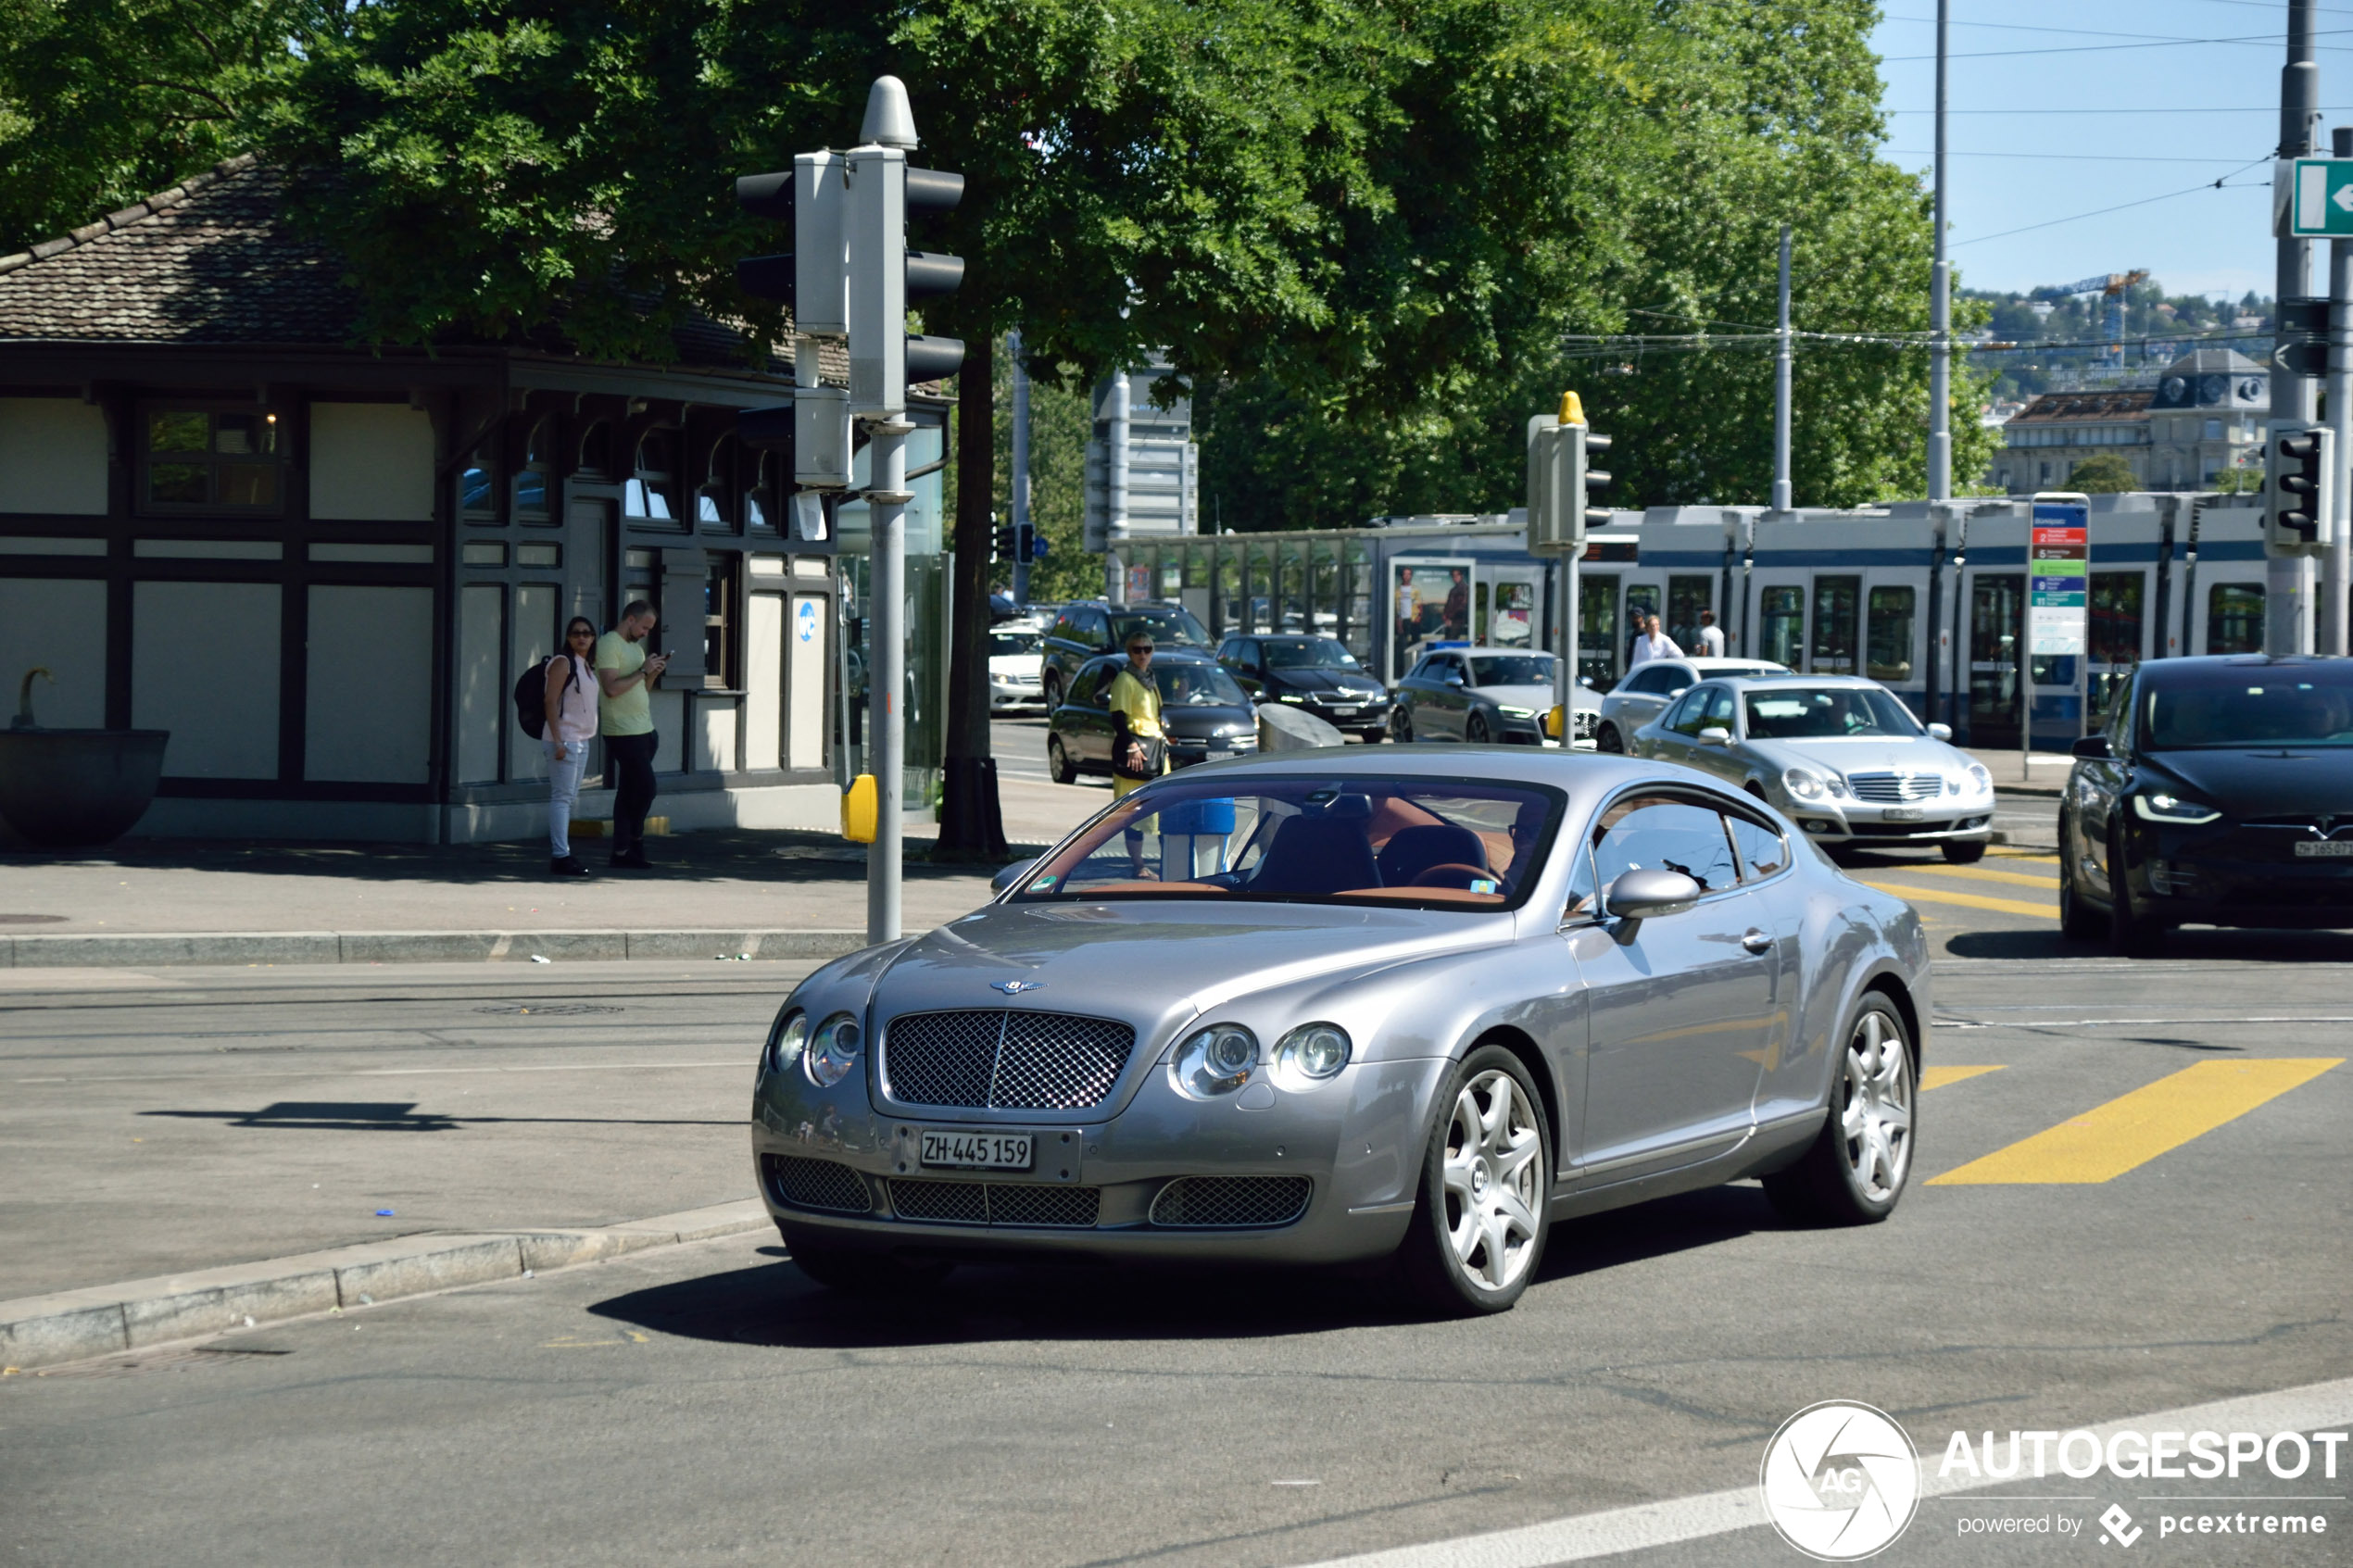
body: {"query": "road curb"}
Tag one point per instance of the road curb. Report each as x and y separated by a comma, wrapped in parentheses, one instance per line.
(72, 1325)
(155, 950)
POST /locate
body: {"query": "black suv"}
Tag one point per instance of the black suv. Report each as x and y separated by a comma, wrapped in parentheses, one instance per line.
(1090, 629)
(1316, 674)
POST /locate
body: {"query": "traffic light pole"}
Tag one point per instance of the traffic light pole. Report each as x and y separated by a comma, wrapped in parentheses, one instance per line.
(2287, 619)
(886, 672)
(2337, 566)
(1021, 466)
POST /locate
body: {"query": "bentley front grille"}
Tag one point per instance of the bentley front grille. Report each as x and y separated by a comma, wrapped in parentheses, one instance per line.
(997, 1203)
(1003, 1060)
(1231, 1202)
(818, 1184)
(1895, 789)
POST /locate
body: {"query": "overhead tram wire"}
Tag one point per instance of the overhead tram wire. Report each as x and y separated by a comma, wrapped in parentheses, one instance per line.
(2220, 184)
(2230, 108)
(2271, 40)
(1578, 346)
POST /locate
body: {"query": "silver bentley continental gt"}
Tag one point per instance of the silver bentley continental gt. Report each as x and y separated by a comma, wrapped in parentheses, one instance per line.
(1333, 1007)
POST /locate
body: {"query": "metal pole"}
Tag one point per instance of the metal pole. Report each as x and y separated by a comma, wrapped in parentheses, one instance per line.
(1020, 464)
(1116, 492)
(1781, 392)
(1940, 305)
(887, 679)
(2336, 585)
(2286, 622)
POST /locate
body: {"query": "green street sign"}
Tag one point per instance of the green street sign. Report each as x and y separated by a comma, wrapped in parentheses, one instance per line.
(2321, 199)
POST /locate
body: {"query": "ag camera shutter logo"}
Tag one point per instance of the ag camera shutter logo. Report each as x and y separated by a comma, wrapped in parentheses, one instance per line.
(1839, 1480)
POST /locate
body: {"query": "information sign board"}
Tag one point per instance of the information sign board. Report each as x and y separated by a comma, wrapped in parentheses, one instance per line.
(2058, 597)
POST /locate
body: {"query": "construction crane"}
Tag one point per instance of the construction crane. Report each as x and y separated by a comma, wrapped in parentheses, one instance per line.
(2111, 286)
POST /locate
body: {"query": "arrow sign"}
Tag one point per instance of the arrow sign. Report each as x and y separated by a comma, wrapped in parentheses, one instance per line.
(2342, 197)
(2320, 198)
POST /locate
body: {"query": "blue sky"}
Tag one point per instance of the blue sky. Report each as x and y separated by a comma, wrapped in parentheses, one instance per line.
(2171, 116)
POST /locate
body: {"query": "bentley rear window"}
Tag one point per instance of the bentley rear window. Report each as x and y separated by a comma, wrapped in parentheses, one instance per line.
(1432, 842)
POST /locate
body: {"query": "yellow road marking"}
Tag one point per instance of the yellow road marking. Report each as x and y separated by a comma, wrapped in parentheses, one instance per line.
(2110, 1139)
(1980, 873)
(2007, 906)
(2021, 855)
(1937, 1077)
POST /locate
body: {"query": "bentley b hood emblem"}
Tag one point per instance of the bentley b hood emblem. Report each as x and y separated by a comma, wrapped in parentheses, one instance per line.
(1015, 988)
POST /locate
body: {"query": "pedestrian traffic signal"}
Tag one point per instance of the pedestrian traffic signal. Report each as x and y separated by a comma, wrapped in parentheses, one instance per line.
(1561, 479)
(884, 274)
(813, 282)
(2298, 493)
(1007, 546)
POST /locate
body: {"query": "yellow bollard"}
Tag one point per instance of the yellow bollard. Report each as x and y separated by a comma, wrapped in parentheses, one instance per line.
(858, 805)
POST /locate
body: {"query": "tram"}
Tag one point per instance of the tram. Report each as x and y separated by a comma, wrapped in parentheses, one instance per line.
(1930, 602)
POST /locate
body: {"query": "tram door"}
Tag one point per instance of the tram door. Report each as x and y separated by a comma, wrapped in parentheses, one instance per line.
(1996, 632)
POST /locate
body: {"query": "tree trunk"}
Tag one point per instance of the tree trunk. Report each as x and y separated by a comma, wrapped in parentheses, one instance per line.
(972, 825)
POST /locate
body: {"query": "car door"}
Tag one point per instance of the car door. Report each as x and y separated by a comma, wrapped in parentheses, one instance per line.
(1083, 718)
(1247, 666)
(1789, 1078)
(2093, 787)
(1714, 707)
(1445, 698)
(1679, 1007)
(1647, 692)
(1671, 739)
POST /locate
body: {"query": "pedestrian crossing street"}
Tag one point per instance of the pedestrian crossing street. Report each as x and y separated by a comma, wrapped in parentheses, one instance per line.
(2133, 1129)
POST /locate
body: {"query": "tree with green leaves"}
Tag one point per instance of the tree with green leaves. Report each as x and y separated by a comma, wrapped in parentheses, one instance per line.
(2105, 474)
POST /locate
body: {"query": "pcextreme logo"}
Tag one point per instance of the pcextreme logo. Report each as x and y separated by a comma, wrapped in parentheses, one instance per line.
(1840, 1480)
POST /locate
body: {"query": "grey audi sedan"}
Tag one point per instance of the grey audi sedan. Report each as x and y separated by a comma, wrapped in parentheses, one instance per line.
(1332, 1007)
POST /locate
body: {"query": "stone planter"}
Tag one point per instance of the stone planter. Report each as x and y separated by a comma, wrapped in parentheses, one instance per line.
(63, 789)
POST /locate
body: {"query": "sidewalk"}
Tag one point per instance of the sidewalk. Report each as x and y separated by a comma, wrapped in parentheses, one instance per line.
(2045, 775)
(711, 894)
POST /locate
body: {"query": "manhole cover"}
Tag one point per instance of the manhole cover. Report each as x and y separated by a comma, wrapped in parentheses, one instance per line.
(548, 1009)
(32, 920)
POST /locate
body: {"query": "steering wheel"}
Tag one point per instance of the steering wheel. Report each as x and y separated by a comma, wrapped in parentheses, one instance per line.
(1454, 874)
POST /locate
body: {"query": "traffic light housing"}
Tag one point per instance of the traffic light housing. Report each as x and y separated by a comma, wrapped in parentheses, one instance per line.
(1561, 479)
(1007, 546)
(813, 282)
(2297, 493)
(884, 274)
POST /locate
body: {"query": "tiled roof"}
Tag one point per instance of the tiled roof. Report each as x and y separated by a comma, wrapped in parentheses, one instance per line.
(211, 261)
(2051, 407)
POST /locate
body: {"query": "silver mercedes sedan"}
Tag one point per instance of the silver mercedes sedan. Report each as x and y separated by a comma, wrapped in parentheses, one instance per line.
(1841, 755)
(1323, 1008)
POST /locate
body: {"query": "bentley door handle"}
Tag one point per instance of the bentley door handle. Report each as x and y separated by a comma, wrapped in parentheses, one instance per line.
(1756, 941)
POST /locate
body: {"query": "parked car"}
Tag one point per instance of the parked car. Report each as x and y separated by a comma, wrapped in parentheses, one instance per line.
(1086, 630)
(1014, 667)
(1318, 674)
(1204, 713)
(1333, 1007)
(1841, 755)
(2220, 793)
(1480, 695)
(1645, 695)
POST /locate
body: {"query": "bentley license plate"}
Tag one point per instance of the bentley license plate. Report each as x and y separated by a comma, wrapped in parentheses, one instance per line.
(1902, 814)
(977, 1151)
(2324, 850)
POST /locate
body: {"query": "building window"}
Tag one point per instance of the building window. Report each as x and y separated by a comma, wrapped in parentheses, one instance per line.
(714, 506)
(478, 486)
(764, 501)
(650, 493)
(596, 450)
(533, 479)
(2213, 429)
(722, 650)
(198, 459)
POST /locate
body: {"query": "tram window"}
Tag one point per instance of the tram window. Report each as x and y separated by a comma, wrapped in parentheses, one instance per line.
(1597, 629)
(1686, 596)
(1782, 614)
(2234, 618)
(2115, 632)
(1641, 602)
(1837, 601)
(1888, 655)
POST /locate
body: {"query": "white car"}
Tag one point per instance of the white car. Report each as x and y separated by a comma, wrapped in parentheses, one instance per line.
(1650, 686)
(1016, 667)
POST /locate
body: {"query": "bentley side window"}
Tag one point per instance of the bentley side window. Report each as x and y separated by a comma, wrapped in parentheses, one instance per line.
(1661, 833)
(1762, 849)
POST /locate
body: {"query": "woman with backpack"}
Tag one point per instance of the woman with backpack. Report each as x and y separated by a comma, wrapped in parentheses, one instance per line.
(571, 724)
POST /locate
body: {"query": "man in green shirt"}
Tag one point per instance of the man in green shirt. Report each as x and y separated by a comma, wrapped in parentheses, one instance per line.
(625, 719)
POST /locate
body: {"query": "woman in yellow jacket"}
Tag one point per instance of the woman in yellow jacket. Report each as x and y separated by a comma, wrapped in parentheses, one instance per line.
(1139, 746)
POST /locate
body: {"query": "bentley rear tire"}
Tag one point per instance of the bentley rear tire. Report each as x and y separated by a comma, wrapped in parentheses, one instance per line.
(1479, 1219)
(1854, 1173)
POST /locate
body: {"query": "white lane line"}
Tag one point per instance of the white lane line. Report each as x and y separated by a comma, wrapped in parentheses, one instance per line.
(2085, 1022)
(1587, 1535)
(401, 1072)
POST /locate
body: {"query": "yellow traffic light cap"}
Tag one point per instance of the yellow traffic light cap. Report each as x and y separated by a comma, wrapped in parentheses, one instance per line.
(1572, 409)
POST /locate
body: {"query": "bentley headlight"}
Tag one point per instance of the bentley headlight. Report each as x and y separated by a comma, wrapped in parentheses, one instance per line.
(2162, 808)
(1310, 1054)
(1215, 1061)
(1805, 784)
(786, 1043)
(833, 1050)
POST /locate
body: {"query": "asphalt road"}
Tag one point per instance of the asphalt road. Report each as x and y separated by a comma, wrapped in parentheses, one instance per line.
(2132, 1198)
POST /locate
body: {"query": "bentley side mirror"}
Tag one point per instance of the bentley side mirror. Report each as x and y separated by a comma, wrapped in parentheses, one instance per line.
(1940, 731)
(1648, 895)
(2093, 748)
(1716, 735)
(1010, 876)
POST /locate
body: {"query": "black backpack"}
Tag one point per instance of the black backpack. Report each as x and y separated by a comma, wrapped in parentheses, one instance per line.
(531, 697)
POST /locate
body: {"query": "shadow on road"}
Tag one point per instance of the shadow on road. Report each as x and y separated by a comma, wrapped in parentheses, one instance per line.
(401, 1116)
(2198, 943)
(776, 1304)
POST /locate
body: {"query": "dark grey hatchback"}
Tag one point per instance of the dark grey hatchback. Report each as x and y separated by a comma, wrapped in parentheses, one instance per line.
(1205, 714)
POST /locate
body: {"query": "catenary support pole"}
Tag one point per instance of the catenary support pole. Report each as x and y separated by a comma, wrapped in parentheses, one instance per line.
(1115, 494)
(886, 672)
(2288, 620)
(1940, 304)
(1782, 392)
(2337, 574)
(1021, 461)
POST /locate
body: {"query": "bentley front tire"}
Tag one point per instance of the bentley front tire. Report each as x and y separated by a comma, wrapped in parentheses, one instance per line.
(1854, 1173)
(1479, 1223)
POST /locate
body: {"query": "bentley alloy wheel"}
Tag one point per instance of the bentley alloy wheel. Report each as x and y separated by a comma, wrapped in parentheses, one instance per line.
(1854, 1171)
(1479, 1226)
